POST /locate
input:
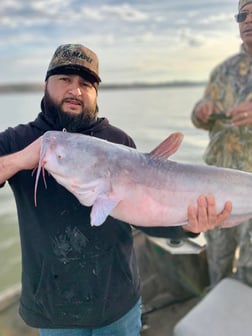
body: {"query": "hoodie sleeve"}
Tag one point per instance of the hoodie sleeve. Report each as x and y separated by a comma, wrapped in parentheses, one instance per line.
(173, 232)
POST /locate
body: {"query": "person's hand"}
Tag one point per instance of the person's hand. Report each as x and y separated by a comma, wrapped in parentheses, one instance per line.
(204, 111)
(205, 217)
(27, 158)
(241, 114)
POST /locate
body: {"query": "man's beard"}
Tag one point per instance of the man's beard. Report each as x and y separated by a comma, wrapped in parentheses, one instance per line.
(69, 121)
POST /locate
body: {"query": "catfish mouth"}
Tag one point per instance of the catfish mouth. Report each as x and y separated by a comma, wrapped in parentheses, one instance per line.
(41, 166)
(47, 145)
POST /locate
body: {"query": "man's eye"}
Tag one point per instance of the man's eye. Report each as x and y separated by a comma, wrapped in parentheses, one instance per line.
(64, 79)
(86, 84)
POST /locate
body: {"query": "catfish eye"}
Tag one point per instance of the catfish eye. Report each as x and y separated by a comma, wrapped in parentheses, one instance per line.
(59, 153)
(60, 156)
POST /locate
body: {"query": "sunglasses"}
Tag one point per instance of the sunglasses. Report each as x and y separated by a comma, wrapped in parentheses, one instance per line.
(241, 17)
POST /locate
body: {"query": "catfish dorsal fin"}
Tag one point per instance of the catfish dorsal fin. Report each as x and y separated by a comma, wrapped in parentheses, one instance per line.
(168, 147)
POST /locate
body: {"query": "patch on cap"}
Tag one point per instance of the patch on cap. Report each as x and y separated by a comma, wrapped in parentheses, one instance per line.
(75, 56)
(243, 3)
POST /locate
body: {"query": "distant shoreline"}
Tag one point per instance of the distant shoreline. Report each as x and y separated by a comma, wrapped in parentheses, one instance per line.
(37, 87)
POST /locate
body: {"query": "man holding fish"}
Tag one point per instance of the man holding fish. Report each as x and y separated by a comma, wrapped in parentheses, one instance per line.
(78, 279)
(226, 112)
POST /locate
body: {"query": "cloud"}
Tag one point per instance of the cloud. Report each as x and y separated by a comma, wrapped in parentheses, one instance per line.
(134, 39)
(54, 11)
(10, 5)
(124, 12)
(191, 39)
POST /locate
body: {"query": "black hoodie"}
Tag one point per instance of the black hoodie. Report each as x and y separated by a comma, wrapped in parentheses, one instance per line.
(73, 275)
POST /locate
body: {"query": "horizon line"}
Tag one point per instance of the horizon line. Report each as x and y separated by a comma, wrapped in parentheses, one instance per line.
(31, 86)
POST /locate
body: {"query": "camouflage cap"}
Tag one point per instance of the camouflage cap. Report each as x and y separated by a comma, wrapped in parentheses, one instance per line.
(75, 58)
(243, 3)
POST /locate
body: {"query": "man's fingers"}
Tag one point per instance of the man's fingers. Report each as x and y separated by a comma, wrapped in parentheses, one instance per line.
(205, 217)
(225, 212)
(211, 210)
(202, 209)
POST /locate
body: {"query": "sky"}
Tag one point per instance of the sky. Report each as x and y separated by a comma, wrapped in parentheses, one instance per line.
(135, 40)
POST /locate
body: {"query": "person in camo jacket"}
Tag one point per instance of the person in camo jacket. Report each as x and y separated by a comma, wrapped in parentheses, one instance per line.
(225, 111)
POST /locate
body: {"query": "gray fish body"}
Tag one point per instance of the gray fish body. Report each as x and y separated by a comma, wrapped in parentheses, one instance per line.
(138, 188)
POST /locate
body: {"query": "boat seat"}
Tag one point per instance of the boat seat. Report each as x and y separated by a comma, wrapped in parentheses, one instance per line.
(225, 311)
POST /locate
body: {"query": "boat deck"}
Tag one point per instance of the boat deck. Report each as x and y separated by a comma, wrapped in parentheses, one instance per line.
(162, 321)
(173, 279)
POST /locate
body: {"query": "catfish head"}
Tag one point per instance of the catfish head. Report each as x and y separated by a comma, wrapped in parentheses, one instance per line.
(71, 158)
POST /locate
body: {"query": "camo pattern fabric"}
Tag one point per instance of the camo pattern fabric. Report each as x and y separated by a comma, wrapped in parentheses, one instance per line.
(230, 83)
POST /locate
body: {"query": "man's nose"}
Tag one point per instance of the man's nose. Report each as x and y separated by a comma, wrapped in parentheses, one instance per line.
(75, 91)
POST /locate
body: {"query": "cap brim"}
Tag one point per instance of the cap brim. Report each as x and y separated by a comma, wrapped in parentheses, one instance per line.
(75, 70)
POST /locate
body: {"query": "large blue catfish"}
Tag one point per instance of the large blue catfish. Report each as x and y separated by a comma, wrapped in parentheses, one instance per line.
(144, 189)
